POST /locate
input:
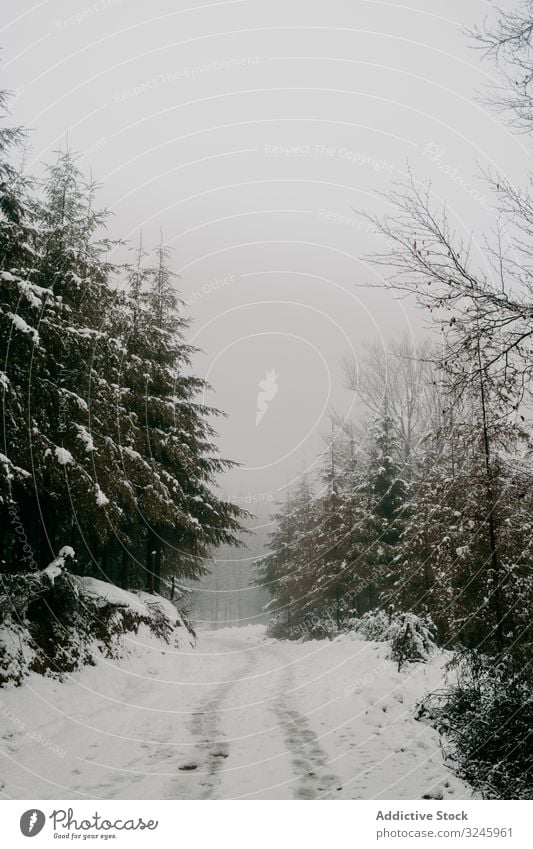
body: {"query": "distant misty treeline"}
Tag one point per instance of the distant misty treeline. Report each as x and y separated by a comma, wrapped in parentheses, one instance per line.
(106, 446)
(424, 505)
(419, 530)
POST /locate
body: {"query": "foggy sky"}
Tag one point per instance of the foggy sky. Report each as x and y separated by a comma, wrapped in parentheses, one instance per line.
(251, 132)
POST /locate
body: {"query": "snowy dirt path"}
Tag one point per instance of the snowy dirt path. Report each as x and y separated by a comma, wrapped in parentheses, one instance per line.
(239, 716)
(308, 758)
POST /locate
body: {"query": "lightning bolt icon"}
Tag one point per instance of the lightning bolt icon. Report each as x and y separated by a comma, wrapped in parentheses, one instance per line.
(33, 820)
(268, 388)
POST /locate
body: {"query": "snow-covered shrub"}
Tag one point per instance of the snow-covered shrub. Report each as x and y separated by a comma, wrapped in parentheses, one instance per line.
(52, 622)
(412, 638)
(487, 721)
(373, 625)
(278, 629)
(314, 626)
(320, 628)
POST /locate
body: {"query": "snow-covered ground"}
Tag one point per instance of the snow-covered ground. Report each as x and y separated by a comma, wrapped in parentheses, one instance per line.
(239, 716)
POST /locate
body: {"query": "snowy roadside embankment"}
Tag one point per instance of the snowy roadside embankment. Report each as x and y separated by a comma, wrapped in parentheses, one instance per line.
(238, 716)
(53, 622)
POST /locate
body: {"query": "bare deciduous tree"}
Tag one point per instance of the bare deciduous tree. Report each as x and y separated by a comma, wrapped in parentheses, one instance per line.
(509, 42)
(400, 375)
(489, 304)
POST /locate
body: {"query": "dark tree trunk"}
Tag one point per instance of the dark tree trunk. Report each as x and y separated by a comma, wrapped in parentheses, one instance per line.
(157, 569)
(495, 569)
(47, 541)
(125, 569)
(104, 562)
(4, 525)
(150, 561)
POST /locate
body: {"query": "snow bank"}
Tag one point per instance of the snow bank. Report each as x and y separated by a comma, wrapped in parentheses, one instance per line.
(53, 622)
(141, 603)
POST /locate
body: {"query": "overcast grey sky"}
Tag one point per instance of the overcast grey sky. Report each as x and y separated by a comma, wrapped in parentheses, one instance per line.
(250, 131)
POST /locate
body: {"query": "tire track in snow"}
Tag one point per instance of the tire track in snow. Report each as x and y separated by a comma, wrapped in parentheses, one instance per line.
(308, 759)
(212, 749)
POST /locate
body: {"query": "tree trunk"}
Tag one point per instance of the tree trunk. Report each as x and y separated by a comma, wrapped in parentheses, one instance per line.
(4, 520)
(371, 595)
(150, 561)
(125, 569)
(47, 541)
(495, 570)
(157, 569)
(104, 562)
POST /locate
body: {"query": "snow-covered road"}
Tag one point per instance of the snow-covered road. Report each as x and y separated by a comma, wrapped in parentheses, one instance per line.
(239, 716)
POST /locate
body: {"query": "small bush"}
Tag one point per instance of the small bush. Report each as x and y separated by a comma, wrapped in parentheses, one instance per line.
(314, 626)
(412, 638)
(487, 721)
(317, 628)
(373, 625)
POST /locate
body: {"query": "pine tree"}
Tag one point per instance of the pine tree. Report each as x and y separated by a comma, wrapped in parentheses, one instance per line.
(20, 304)
(166, 440)
(106, 446)
(445, 567)
(385, 494)
(288, 572)
(71, 399)
(315, 572)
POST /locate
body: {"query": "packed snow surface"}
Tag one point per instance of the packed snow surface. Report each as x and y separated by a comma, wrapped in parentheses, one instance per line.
(239, 716)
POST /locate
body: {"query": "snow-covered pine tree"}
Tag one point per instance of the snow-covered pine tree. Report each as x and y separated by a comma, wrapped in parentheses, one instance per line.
(167, 445)
(106, 446)
(316, 571)
(386, 493)
(20, 304)
(445, 564)
(338, 538)
(70, 404)
(288, 572)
